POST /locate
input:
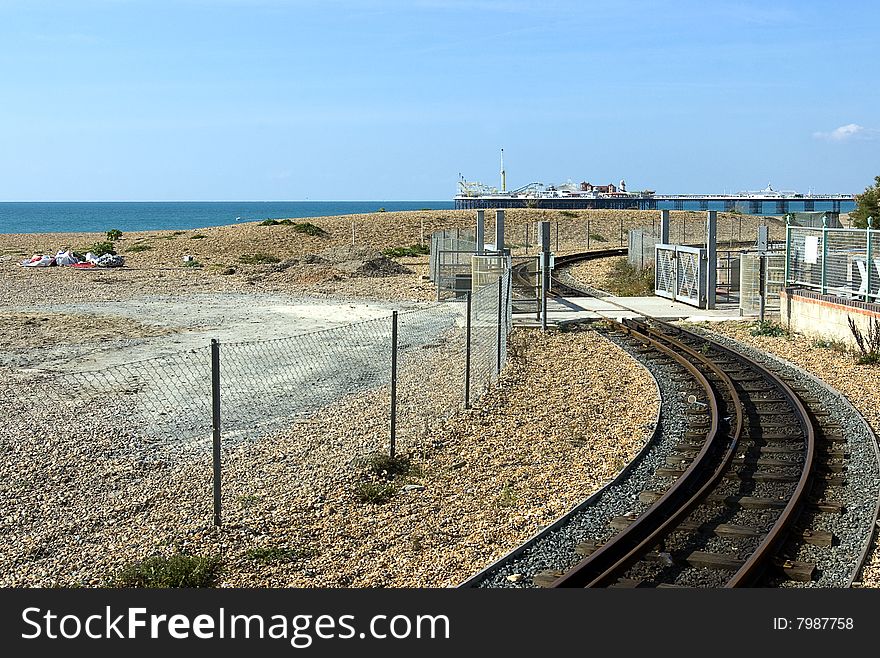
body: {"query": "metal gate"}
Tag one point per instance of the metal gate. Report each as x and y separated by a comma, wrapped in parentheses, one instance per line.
(680, 274)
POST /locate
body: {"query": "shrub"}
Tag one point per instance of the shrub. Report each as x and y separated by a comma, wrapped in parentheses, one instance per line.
(178, 570)
(198, 236)
(868, 344)
(300, 227)
(568, 213)
(376, 493)
(258, 259)
(626, 280)
(386, 467)
(412, 250)
(101, 248)
(309, 229)
(192, 263)
(381, 210)
(141, 246)
(597, 237)
(767, 328)
(114, 234)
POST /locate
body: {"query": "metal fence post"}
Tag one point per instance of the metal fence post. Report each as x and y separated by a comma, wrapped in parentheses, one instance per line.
(215, 423)
(787, 251)
(588, 233)
(621, 231)
(467, 355)
(869, 265)
(393, 383)
(498, 342)
(824, 283)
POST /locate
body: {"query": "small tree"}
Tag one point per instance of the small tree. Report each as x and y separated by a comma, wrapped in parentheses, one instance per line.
(867, 205)
(114, 234)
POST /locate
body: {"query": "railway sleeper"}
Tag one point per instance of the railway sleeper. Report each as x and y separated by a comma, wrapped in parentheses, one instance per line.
(753, 502)
(807, 535)
(794, 569)
(828, 479)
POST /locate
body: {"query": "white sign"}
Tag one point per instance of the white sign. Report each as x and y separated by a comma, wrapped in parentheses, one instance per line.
(811, 249)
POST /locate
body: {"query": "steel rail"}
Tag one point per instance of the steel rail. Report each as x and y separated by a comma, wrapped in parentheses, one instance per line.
(631, 543)
(760, 558)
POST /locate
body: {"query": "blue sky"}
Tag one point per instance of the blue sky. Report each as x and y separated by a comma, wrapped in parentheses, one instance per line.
(380, 99)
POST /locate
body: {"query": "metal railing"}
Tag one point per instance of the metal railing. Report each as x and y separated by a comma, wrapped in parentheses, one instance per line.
(834, 261)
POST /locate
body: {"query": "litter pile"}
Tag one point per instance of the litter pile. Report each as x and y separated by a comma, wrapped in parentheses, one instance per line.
(73, 259)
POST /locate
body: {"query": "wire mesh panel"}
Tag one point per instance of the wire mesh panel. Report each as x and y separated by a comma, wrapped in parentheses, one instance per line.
(266, 385)
(116, 456)
(430, 371)
(641, 247)
(838, 261)
(805, 257)
(845, 262)
(450, 260)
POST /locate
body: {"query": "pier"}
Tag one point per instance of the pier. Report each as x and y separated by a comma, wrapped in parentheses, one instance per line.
(746, 204)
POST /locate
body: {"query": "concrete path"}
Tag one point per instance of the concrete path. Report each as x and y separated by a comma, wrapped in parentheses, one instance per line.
(615, 308)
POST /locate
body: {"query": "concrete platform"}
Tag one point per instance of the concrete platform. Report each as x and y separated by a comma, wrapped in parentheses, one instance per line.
(570, 309)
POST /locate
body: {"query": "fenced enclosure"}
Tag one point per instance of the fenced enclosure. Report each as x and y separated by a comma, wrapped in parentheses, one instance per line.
(680, 274)
(837, 261)
(125, 456)
(759, 287)
(449, 264)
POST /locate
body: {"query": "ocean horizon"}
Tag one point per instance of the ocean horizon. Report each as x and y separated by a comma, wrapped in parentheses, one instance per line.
(101, 216)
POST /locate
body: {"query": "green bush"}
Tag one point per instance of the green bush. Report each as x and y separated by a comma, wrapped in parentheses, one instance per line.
(386, 467)
(101, 248)
(192, 263)
(309, 229)
(141, 246)
(412, 250)
(625, 280)
(114, 234)
(376, 493)
(767, 328)
(258, 259)
(175, 571)
(596, 237)
(300, 227)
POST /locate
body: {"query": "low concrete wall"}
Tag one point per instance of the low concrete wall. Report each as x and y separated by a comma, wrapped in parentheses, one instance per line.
(825, 316)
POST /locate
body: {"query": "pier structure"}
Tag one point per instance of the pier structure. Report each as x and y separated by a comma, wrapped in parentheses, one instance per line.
(763, 204)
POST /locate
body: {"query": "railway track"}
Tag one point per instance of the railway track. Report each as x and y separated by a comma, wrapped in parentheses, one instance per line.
(526, 284)
(738, 483)
(756, 475)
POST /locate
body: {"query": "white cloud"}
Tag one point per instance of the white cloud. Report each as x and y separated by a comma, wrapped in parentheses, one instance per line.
(848, 132)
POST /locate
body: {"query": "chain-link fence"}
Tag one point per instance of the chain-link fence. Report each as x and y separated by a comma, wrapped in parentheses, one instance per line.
(112, 456)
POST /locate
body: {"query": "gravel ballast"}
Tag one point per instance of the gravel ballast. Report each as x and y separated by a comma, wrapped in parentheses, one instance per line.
(802, 361)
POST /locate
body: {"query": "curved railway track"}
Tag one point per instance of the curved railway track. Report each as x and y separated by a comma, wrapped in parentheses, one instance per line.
(742, 491)
(752, 435)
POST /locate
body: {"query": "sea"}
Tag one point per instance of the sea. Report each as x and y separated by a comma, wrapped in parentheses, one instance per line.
(101, 216)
